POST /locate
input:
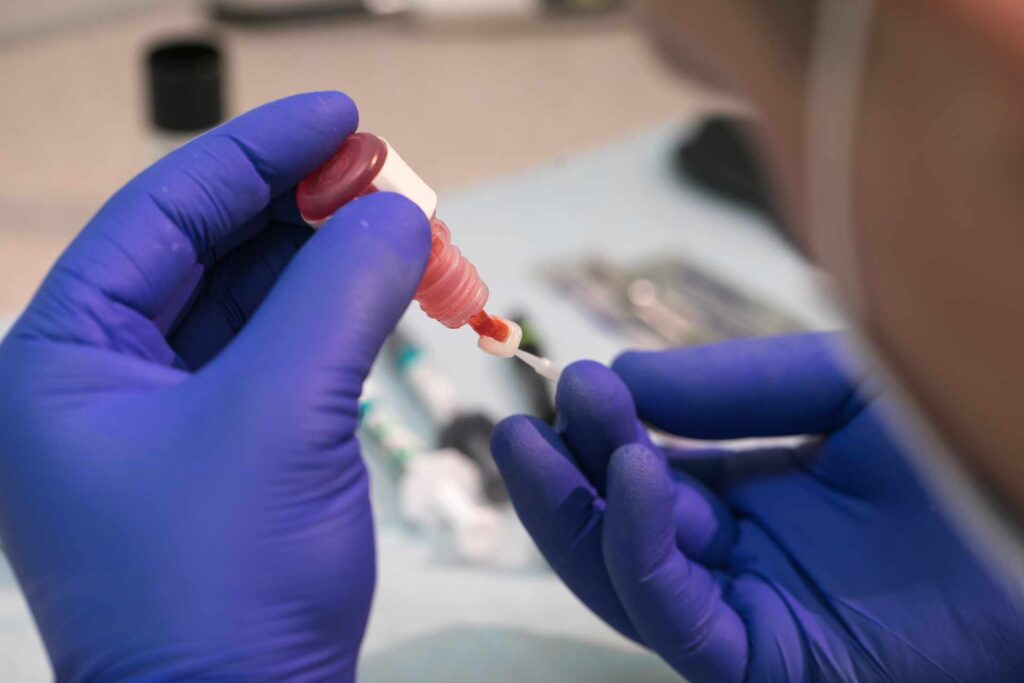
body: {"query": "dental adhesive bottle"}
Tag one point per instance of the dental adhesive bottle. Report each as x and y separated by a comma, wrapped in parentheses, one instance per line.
(451, 291)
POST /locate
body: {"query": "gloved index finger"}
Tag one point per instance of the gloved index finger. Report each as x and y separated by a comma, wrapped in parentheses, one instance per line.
(146, 239)
(596, 415)
(776, 386)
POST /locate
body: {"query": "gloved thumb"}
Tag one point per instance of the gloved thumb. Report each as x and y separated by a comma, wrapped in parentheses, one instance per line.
(311, 343)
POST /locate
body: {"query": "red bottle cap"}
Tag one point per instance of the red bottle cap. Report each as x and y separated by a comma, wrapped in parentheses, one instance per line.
(345, 176)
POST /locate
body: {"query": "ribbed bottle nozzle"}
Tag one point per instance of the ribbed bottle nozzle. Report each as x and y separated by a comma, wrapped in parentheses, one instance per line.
(451, 291)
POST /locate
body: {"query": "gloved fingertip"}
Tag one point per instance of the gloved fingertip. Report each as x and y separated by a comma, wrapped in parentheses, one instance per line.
(551, 496)
(591, 391)
(386, 221)
(337, 99)
(670, 599)
(512, 434)
(560, 510)
(596, 415)
(639, 525)
(637, 472)
(577, 377)
(330, 109)
(630, 366)
(286, 139)
(523, 447)
(341, 295)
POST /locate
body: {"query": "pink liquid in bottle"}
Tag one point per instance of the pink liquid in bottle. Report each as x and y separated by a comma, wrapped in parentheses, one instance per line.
(451, 291)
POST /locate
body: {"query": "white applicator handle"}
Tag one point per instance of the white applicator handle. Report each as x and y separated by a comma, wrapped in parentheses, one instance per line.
(542, 366)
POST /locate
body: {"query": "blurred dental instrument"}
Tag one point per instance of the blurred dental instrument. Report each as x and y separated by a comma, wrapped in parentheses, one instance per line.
(438, 491)
(466, 431)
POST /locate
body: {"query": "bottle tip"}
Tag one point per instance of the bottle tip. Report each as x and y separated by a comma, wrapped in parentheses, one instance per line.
(507, 347)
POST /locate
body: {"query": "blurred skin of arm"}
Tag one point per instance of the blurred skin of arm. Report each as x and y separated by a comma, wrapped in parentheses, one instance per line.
(940, 143)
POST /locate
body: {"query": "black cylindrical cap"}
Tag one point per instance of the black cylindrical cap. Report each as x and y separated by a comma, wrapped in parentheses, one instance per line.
(186, 85)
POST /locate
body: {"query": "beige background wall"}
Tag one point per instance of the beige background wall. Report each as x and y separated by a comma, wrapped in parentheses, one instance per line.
(463, 105)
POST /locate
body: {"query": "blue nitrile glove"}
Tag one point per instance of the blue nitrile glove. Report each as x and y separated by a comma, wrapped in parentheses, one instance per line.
(826, 562)
(170, 518)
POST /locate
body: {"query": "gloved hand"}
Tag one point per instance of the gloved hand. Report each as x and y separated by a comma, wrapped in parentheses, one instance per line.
(194, 506)
(823, 562)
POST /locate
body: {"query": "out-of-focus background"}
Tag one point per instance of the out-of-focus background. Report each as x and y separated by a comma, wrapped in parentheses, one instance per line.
(467, 99)
(608, 201)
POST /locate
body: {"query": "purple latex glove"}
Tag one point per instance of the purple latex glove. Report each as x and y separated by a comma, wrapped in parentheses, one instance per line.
(826, 562)
(193, 506)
